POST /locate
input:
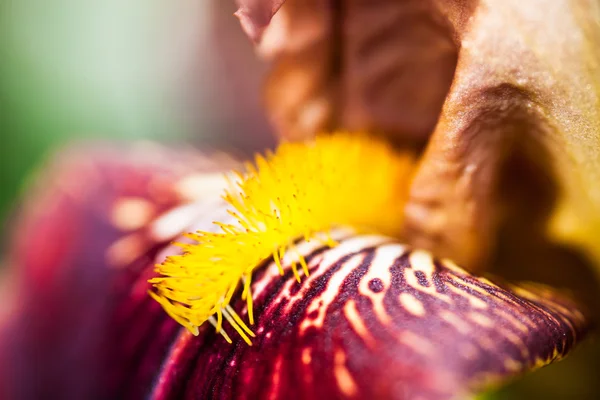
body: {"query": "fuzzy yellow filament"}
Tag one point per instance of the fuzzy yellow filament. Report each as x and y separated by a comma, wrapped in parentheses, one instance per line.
(299, 191)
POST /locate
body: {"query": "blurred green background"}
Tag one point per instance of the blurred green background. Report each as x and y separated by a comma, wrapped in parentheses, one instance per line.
(72, 69)
(147, 69)
(121, 70)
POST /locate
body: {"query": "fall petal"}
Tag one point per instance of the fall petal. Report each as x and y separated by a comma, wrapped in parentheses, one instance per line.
(374, 320)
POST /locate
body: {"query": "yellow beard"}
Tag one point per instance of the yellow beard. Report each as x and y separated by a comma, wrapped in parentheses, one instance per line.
(302, 190)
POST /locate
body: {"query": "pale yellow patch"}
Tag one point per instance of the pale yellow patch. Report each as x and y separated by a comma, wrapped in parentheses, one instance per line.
(174, 222)
(481, 319)
(199, 186)
(306, 356)
(131, 213)
(512, 365)
(357, 324)
(421, 260)
(322, 302)
(343, 377)
(380, 269)
(512, 320)
(474, 301)
(275, 379)
(412, 304)
(124, 251)
(411, 280)
(456, 321)
(322, 262)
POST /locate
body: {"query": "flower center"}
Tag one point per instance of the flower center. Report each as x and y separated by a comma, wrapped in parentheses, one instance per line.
(301, 191)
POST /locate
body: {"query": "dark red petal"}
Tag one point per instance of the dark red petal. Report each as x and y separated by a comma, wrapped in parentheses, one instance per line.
(82, 253)
(375, 320)
(87, 329)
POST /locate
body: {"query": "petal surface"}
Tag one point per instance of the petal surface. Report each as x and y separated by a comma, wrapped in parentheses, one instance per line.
(375, 320)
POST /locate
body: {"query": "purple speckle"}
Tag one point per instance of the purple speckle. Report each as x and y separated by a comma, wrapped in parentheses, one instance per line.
(376, 285)
(422, 278)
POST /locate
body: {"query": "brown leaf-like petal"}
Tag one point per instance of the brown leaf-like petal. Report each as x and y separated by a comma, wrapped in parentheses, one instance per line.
(375, 320)
(517, 80)
(383, 67)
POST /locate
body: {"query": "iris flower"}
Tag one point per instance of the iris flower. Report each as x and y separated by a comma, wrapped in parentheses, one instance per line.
(328, 268)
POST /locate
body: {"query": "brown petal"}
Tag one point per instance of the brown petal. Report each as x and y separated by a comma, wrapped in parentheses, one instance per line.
(383, 67)
(525, 97)
(375, 320)
(517, 80)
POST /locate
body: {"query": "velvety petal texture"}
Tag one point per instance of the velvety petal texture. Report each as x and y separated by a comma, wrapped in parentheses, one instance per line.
(383, 67)
(374, 318)
(83, 326)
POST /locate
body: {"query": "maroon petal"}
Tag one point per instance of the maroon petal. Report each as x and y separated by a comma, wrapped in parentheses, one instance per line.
(82, 250)
(375, 320)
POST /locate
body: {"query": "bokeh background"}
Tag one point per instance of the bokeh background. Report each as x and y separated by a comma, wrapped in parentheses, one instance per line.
(173, 71)
(73, 70)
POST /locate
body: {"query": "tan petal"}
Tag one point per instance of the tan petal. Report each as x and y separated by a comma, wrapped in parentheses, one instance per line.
(495, 83)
